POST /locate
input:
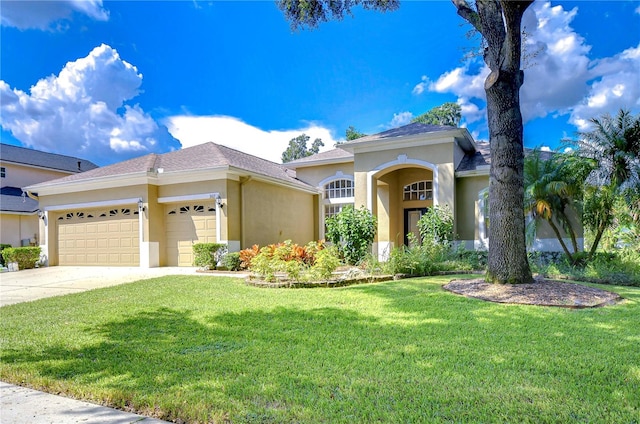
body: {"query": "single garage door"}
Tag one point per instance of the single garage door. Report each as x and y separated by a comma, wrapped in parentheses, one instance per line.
(186, 225)
(99, 237)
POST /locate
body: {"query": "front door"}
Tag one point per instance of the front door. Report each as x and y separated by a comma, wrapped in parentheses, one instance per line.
(411, 218)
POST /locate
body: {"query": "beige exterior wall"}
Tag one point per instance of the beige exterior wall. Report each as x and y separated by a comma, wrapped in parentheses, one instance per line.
(22, 175)
(468, 210)
(314, 175)
(15, 228)
(273, 214)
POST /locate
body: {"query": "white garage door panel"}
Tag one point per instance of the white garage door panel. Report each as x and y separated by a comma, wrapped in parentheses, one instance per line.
(99, 237)
(187, 224)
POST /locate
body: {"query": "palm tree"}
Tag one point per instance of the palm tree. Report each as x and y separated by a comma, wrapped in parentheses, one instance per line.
(613, 146)
(552, 188)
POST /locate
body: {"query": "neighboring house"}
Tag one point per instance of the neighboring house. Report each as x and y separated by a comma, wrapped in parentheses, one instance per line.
(20, 167)
(149, 211)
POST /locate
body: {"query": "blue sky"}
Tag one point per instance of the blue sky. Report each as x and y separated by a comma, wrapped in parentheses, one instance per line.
(108, 81)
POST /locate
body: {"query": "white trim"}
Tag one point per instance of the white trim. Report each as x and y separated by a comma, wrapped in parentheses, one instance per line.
(482, 229)
(339, 175)
(188, 197)
(401, 160)
(219, 224)
(89, 205)
(339, 200)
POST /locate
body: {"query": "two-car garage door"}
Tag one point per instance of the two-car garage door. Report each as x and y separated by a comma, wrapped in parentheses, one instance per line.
(99, 237)
(111, 237)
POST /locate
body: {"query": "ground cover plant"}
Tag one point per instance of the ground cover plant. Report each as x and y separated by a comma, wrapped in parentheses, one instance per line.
(212, 349)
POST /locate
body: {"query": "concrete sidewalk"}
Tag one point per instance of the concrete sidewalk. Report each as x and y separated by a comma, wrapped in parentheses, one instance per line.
(20, 405)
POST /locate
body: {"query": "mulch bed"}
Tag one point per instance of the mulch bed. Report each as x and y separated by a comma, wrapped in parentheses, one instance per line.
(541, 292)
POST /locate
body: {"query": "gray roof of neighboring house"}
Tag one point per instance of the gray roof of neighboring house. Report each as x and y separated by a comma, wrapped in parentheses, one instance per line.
(12, 200)
(23, 155)
(203, 156)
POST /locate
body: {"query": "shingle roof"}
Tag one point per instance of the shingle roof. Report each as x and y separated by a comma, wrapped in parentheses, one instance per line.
(22, 155)
(322, 156)
(202, 156)
(11, 200)
(406, 130)
(480, 158)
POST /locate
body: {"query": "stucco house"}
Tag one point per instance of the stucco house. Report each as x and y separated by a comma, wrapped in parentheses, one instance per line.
(149, 211)
(20, 167)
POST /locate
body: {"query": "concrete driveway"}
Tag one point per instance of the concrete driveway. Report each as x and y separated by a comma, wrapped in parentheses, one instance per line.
(32, 284)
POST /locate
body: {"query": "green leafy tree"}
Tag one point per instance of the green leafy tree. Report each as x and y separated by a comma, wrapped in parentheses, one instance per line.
(297, 148)
(613, 147)
(449, 114)
(499, 24)
(353, 134)
(352, 231)
(553, 194)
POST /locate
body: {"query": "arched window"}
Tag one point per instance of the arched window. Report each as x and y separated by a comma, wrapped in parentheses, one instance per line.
(420, 190)
(337, 194)
(338, 189)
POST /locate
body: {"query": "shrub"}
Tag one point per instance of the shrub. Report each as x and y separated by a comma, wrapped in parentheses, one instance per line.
(436, 225)
(247, 255)
(207, 255)
(352, 231)
(232, 261)
(25, 257)
(311, 262)
(2, 247)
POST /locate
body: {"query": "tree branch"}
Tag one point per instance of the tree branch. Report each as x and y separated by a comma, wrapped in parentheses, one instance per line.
(468, 14)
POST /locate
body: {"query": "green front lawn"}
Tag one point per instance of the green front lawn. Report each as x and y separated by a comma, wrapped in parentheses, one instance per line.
(200, 349)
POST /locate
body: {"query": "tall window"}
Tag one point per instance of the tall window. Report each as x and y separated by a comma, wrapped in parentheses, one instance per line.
(3, 172)
(337, 194)
(420, 190)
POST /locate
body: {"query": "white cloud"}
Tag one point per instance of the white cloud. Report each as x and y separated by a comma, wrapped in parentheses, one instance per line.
(233, 132)
(49, 15)
(400, 119)
(545, 149)
(616, 85)
(82, 111)
(420, 87)
(560, 78)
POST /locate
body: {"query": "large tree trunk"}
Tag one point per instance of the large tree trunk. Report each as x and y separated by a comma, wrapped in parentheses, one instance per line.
(499, 23)
(508, 261)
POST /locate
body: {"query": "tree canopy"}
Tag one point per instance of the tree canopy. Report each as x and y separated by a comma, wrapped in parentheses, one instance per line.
(297, 148)
(353, 134)
(448, 113)
(612, 148)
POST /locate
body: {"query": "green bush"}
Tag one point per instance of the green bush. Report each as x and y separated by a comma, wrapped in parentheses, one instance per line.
(232, 261)
(2, 247)
(352, 231)
(25, 257)
(207, 255)
(621, 268)
(436, 225)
